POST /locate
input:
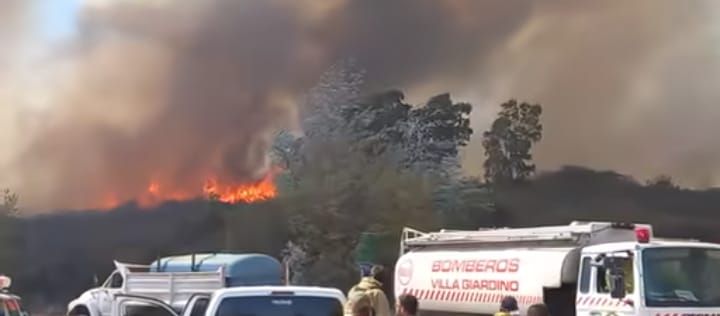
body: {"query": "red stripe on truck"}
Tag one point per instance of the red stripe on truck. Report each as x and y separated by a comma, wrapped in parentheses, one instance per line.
(587, 300)
(483, 297)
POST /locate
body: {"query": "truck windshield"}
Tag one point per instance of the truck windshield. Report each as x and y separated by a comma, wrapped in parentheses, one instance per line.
(280, 306)
(681, 276)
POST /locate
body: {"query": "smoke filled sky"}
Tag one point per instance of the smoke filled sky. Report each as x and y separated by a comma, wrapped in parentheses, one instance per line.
(102, 97)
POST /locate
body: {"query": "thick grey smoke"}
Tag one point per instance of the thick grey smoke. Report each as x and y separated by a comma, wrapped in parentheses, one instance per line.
(628, 86)
(173, 92)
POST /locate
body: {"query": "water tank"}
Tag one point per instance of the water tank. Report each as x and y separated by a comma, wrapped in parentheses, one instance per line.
(240, 269)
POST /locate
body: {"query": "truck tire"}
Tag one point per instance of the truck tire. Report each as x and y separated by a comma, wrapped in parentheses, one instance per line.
(79, 311)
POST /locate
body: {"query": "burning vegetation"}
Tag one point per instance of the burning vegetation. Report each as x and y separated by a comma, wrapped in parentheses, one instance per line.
(248, 193)
(224, 191)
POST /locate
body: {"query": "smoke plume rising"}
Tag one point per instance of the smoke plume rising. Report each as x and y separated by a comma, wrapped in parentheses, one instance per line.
(172, 92)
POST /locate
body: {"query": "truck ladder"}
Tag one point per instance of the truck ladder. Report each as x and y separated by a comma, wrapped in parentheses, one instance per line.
(575, 234)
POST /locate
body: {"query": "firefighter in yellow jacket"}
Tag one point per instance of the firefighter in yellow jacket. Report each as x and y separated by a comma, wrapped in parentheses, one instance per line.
(371, 288)
(508, 307)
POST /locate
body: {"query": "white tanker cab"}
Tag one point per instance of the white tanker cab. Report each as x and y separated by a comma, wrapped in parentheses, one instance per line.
(583, 269)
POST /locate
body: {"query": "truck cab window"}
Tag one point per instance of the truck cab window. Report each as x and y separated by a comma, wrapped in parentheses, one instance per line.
(586, 268)
(200, 306)
(116, 281)
(603, 277)
(146, 310)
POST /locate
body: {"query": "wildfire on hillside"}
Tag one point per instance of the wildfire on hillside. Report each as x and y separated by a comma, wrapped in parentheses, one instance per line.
(228, 192)
(248, 193)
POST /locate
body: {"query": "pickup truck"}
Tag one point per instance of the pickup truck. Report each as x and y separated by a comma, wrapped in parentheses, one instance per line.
(10, 304)
(174, 280)
(240, 301)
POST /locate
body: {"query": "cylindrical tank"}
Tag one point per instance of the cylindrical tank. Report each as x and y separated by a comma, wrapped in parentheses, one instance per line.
(468, 280)
(239, 269)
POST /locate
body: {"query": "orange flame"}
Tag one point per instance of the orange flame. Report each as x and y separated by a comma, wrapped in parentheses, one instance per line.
(109, 201)
(154, 188)
(155, 193)
(260, 191)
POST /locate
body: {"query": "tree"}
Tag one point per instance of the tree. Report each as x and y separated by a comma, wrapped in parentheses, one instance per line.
(509, 141)
(377, 122)
(437, 131)
(9, 232)
(464, 202)
(368, 164)
(662, 181)
(337, 198)
(9, 206)
(325, 108)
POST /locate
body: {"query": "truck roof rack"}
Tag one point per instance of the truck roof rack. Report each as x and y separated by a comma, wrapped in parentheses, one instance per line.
(575, 234)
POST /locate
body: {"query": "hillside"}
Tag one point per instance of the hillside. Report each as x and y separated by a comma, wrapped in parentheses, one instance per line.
(62, 252)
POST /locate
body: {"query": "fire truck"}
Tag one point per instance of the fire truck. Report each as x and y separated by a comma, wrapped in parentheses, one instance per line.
(583, 269)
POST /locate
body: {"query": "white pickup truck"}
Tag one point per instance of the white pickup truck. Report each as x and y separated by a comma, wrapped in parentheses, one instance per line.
(174, 280)
(174, 288)
(10, 304)
(240, 301)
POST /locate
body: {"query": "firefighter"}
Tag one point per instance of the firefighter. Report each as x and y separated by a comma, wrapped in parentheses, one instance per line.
(407, 305)
(508, 307)
(538, 310)
(370, 287)
(359, 305)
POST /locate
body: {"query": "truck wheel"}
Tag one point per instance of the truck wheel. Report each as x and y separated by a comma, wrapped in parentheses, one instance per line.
(79, 311)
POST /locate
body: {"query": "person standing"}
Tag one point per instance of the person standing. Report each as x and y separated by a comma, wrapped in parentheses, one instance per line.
(359, 305)
(407, 305)
(508, 307)
(538, 310)
(371, 287)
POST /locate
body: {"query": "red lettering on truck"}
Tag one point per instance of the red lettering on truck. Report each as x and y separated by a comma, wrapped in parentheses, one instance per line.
(492, 265)
(491, 285)
(512, 265)
(471, 284)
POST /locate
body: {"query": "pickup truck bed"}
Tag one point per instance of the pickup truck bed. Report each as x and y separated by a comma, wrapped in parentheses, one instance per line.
(173, 288)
